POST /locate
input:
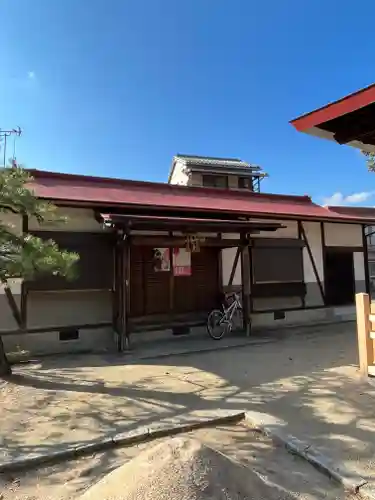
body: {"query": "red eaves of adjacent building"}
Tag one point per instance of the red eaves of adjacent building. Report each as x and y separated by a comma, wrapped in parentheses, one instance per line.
(98, 192)
(335, 109)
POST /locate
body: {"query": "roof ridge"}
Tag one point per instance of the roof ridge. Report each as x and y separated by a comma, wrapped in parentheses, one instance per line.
(180, 155)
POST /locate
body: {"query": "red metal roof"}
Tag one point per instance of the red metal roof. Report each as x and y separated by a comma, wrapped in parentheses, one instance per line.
(333, 110)
(96, 191)
(346, 121)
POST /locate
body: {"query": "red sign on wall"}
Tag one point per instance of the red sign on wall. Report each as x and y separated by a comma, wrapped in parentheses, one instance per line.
(181, 262)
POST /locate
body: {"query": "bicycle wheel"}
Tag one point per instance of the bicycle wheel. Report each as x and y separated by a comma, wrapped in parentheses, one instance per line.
(216, 324)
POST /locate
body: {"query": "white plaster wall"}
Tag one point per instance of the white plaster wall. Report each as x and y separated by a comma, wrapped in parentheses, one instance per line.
(95, 340)
(313, 235)
(179, 176)
(289, 231)
(324, 315)
(63, 308)
(13, 221)
(15, 285)
(359, 266)
(343, 235)
(7, 322)
(228, 256)
(79, 219)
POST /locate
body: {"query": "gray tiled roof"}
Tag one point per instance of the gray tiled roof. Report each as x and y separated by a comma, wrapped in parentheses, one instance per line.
(211, 161)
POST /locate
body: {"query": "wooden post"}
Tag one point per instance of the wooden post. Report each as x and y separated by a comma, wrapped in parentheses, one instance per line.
(365, 343)
(365, 258)
(126, 294)
(234, 267)
(245, 278)
(119, 293)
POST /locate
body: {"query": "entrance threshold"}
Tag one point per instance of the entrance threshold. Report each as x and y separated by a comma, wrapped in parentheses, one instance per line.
(194, 344)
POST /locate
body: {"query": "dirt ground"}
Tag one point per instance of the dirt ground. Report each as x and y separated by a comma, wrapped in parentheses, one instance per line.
(307, 378)
(70, 479)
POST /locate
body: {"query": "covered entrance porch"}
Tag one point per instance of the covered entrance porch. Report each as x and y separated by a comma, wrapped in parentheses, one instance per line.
(169, 269)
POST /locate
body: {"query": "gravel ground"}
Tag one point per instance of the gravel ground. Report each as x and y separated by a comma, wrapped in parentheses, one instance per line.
(70, 479)
(308, 379)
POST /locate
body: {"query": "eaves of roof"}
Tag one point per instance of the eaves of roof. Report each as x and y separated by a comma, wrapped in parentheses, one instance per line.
(99, 192)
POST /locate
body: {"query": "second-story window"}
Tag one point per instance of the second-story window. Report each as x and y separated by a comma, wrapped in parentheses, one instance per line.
(245, 183)
(220, 181)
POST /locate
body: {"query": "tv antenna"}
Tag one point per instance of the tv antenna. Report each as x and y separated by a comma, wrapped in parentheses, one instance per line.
(4, 134)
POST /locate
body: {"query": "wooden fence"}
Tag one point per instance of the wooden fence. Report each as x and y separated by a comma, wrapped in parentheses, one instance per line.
(366, 333)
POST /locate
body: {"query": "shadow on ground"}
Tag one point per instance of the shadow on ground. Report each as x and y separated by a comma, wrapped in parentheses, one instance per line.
(309, 380)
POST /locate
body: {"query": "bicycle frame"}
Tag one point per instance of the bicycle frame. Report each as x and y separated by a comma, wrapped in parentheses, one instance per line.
(230, 310)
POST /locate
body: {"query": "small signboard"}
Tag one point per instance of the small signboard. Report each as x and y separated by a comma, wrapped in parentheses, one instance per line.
(162, 260)
(181, 262)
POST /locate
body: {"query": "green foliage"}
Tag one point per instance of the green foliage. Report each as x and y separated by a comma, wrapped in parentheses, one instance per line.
(25, 255)
(370, 161)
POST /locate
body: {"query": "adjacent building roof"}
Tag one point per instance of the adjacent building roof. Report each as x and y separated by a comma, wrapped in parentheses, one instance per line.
(213, 161)
(211, 164)
(349, 120)
(104, 192)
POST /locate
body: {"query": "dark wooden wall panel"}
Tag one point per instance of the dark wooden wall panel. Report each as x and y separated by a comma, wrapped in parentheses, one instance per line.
(283, 264)
(94, 269)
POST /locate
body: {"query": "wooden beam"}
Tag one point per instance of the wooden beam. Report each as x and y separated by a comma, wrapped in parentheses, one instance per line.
(303, 297)
(303, 233)
(251, 277)
(234, 267)
(171, 277)
(179, 241)
(324, 258)
(220, 267)
(246, 288)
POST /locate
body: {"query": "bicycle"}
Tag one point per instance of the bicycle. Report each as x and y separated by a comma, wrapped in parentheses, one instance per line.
(219, 322)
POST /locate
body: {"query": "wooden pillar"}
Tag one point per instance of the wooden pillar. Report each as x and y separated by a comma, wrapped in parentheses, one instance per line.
(122, 291)
(118, 309)
(365, 259)
(245, 279)
(300, 237)
(126, 293)
(365, 343)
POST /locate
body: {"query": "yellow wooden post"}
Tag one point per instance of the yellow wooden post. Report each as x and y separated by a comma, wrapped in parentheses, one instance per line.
(365, 347)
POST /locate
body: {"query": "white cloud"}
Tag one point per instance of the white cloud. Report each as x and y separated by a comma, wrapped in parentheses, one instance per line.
(352, 199)
(31, 75)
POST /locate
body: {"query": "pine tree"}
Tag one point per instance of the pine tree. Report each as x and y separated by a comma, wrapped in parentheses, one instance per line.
(24, 256)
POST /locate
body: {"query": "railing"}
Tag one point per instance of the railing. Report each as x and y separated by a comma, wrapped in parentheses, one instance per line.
(366, 333)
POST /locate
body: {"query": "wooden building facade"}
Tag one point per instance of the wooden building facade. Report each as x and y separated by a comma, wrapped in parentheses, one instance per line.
(158, 257)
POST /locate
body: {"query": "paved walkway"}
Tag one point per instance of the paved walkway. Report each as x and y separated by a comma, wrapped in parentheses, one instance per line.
(308, 379)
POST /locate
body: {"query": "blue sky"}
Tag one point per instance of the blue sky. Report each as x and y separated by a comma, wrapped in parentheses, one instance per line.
(117, 87)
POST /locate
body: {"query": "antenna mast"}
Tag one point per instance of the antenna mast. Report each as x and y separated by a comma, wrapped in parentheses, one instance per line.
(4, 134)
